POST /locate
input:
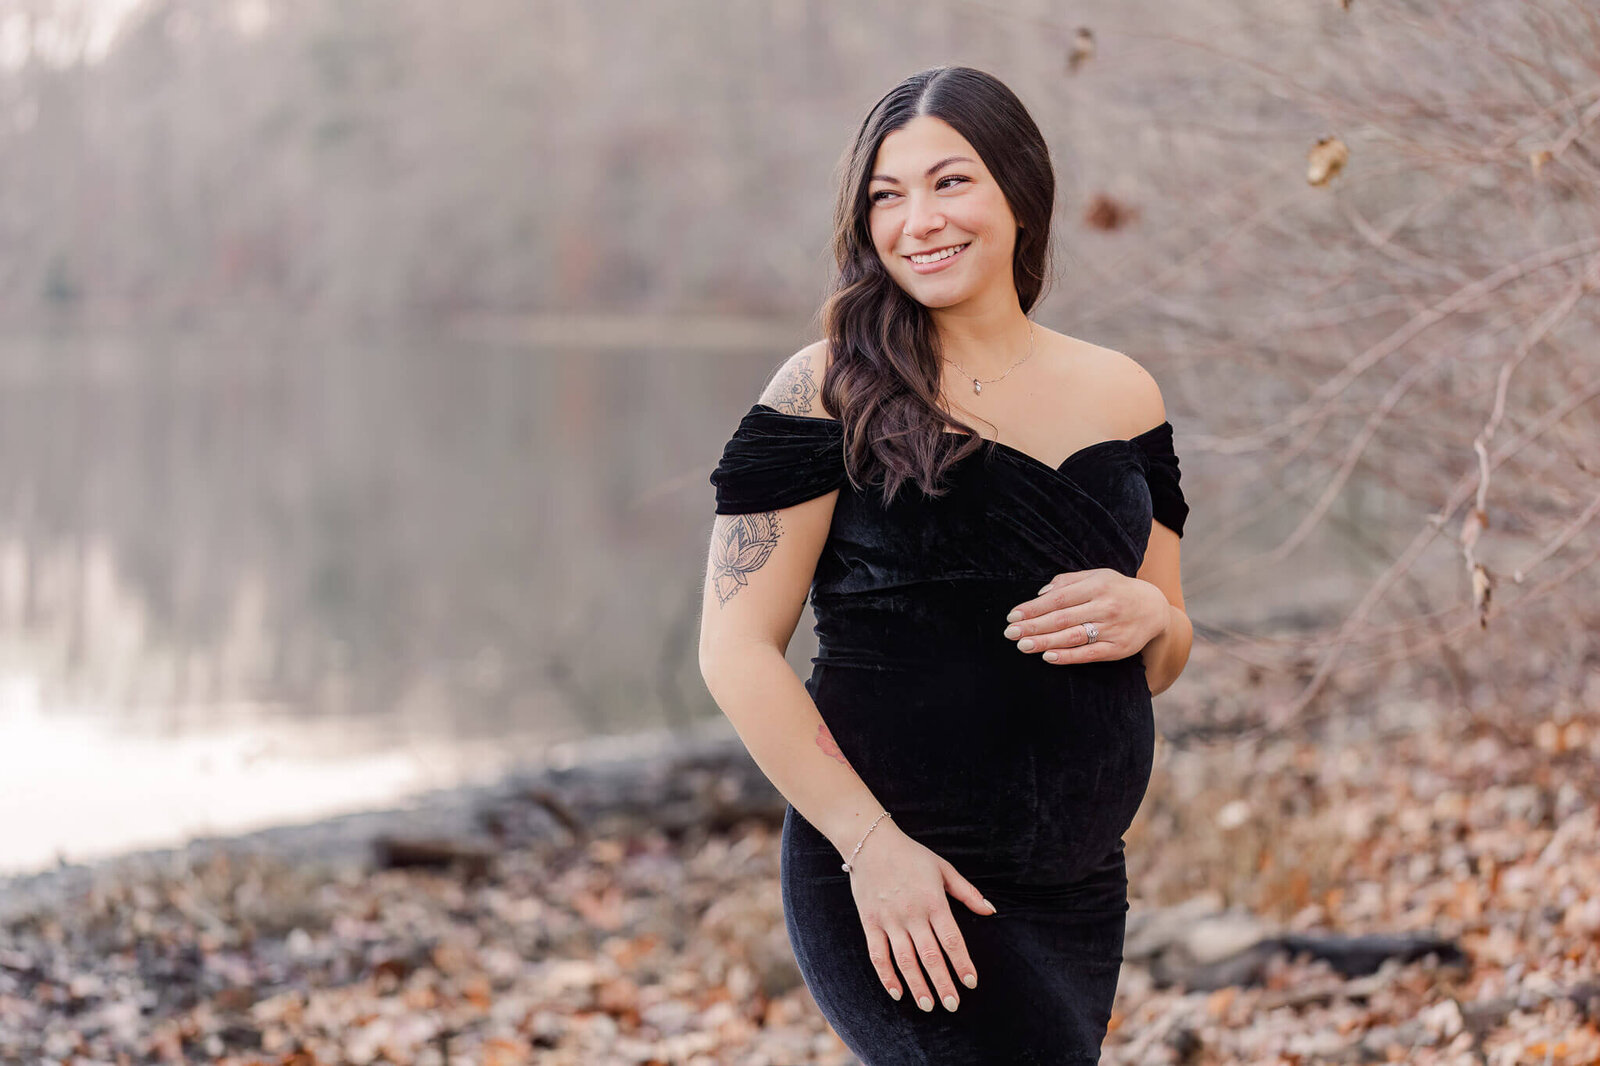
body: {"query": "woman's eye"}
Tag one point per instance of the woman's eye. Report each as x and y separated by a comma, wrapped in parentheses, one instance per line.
(940, 184)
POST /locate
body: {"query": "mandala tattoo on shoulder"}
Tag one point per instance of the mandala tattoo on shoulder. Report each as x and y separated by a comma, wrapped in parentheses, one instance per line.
(796, 389)
(742, 545)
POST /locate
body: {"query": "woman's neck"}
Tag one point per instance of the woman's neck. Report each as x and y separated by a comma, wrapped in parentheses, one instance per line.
(985, 349)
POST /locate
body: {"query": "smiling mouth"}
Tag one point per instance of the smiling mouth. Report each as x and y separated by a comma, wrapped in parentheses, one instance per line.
(937, 255)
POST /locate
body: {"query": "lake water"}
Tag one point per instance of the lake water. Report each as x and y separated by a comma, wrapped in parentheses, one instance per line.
(249, 575)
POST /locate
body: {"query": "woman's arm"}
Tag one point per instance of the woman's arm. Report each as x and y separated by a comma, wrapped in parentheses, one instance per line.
(1166, 654)
(742, 644)
(1145, 612)
(758, 572)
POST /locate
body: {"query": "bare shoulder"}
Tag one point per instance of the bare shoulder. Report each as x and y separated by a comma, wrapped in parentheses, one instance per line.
(1115, 383)
(796, 388)
(1139, 397)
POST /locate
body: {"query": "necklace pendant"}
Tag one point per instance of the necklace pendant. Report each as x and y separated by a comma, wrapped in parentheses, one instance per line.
(976, 385)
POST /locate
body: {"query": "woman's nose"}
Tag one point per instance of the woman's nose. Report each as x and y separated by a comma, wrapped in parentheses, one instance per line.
(922, 221)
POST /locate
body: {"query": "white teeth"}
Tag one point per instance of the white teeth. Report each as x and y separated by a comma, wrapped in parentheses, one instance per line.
(936, 256)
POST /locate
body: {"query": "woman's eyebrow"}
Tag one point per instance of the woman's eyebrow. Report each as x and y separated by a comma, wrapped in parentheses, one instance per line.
(931, 170)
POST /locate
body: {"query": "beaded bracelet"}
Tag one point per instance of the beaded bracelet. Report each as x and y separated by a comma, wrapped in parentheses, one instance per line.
(863, 840)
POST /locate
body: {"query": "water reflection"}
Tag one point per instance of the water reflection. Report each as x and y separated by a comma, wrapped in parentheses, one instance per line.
(415, 542)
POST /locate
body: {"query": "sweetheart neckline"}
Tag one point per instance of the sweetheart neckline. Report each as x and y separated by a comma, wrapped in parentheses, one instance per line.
(1001, 445)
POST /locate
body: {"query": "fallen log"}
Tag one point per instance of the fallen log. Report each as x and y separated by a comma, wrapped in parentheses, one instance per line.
(1350, 956)
(677, 784)
(394, 852)
(1202, 947)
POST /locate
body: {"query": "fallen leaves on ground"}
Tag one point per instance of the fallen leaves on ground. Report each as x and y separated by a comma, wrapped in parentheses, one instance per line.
(641, 949)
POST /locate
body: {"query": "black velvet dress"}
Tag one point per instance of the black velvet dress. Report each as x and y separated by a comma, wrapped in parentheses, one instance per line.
(1022, 773)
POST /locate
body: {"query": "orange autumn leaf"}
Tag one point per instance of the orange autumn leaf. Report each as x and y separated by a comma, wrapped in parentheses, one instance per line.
(476, 991)
(602, 909)
(502, 1051)
(1326, 159)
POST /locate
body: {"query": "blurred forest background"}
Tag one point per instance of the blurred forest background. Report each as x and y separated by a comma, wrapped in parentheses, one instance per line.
(363, 362)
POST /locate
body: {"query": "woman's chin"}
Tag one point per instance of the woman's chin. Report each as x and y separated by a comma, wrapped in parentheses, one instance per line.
(936, 296)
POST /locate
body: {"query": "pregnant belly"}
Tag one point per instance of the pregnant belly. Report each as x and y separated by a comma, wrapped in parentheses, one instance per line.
(1005, 765)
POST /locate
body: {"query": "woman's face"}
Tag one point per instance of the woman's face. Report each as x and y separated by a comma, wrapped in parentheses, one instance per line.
(931, 193)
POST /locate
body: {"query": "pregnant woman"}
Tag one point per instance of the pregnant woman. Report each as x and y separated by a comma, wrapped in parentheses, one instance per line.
(994, 610)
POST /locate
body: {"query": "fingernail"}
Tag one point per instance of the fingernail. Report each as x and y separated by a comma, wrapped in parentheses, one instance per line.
(1013, 631)
(991, 907)
(950, 1002)
(1042, 591)
(895, 994)
(925, 1003)
(1014, 616)
(1025, 644)
(970, 980)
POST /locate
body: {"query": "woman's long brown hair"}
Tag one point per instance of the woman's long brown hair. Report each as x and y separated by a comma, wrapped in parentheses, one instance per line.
(883, 380)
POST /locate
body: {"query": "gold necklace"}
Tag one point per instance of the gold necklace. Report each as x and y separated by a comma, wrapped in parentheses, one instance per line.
(977, 386)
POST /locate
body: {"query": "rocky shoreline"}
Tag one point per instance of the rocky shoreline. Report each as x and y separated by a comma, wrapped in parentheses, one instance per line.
(345, 841)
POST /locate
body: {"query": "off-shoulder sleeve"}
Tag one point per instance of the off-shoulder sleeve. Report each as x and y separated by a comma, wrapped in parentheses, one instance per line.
(1166, 495)
(776, 460)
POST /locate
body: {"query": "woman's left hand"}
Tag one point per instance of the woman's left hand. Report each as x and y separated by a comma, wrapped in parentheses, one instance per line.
(1127, 612)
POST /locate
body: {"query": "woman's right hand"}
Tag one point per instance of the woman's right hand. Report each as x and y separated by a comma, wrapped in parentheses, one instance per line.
(900, 888)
